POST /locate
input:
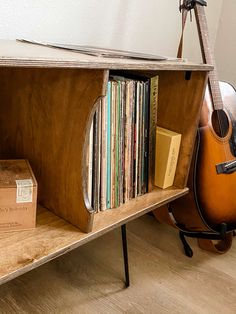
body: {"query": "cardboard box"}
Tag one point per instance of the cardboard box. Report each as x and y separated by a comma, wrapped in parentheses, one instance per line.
(166, 156)
(18, 195)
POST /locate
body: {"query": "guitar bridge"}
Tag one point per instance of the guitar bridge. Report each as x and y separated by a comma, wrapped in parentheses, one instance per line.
(226, 167)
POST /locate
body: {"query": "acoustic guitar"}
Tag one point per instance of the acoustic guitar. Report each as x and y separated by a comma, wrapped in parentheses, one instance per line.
(212, 178)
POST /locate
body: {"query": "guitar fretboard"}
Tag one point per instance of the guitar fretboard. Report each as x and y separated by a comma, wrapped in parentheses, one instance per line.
(208, 56)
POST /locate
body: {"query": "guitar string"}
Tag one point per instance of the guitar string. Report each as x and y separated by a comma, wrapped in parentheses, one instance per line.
(199, 11)
(200, 16)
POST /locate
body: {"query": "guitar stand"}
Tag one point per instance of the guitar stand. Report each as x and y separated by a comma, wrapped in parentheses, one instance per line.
(201, 235)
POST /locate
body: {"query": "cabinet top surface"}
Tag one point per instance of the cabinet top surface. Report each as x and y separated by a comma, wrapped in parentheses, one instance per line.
(19, 54)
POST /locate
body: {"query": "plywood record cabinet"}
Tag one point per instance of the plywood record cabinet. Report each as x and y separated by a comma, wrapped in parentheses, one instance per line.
(47, 101)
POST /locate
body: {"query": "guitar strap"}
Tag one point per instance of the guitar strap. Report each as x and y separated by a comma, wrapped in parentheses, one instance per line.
(163, 214)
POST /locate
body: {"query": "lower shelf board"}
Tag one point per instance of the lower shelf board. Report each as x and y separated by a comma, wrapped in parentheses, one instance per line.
(22, 251)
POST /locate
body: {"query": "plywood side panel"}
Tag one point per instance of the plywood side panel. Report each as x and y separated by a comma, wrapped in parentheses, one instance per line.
(44, 117)
(180, 101)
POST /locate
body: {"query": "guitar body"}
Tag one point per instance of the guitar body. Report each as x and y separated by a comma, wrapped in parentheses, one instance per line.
(212, 199)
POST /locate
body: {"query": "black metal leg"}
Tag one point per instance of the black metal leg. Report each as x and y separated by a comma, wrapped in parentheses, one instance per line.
(125, 255)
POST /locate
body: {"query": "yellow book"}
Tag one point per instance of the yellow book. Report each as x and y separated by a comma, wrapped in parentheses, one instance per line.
(166, 156)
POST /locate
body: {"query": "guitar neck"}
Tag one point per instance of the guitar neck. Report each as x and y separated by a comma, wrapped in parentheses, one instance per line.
(208, 56)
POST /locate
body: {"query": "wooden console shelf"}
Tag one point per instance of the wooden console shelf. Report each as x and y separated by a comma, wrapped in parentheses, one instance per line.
(23, 251)
(48, 97)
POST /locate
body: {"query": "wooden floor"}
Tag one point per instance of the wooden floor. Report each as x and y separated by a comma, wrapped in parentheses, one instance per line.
(163, 280)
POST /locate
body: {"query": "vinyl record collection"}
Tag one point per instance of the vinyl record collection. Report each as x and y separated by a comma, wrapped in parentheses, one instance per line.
(121, 140)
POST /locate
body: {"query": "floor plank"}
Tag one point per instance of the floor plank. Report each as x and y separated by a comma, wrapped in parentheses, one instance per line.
(163, 280)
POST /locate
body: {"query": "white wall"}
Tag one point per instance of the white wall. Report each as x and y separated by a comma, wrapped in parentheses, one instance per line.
(150, 26)
(121, 24)
(225, 47)
(192, 46)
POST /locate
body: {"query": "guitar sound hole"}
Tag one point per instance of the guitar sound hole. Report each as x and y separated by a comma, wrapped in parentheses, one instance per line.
(220, 122)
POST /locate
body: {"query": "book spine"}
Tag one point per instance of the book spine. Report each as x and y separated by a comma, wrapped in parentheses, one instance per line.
(117, 144)
(140, 134)
(146, 143)
(99, 145)
(122, 143)
(108, 137)
(136, 139)
(152, 129)
(127, 139)
(113, 143)
(132, 142)
(103, 153)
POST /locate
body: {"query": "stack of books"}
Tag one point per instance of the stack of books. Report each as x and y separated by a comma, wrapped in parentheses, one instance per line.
(121, 135)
